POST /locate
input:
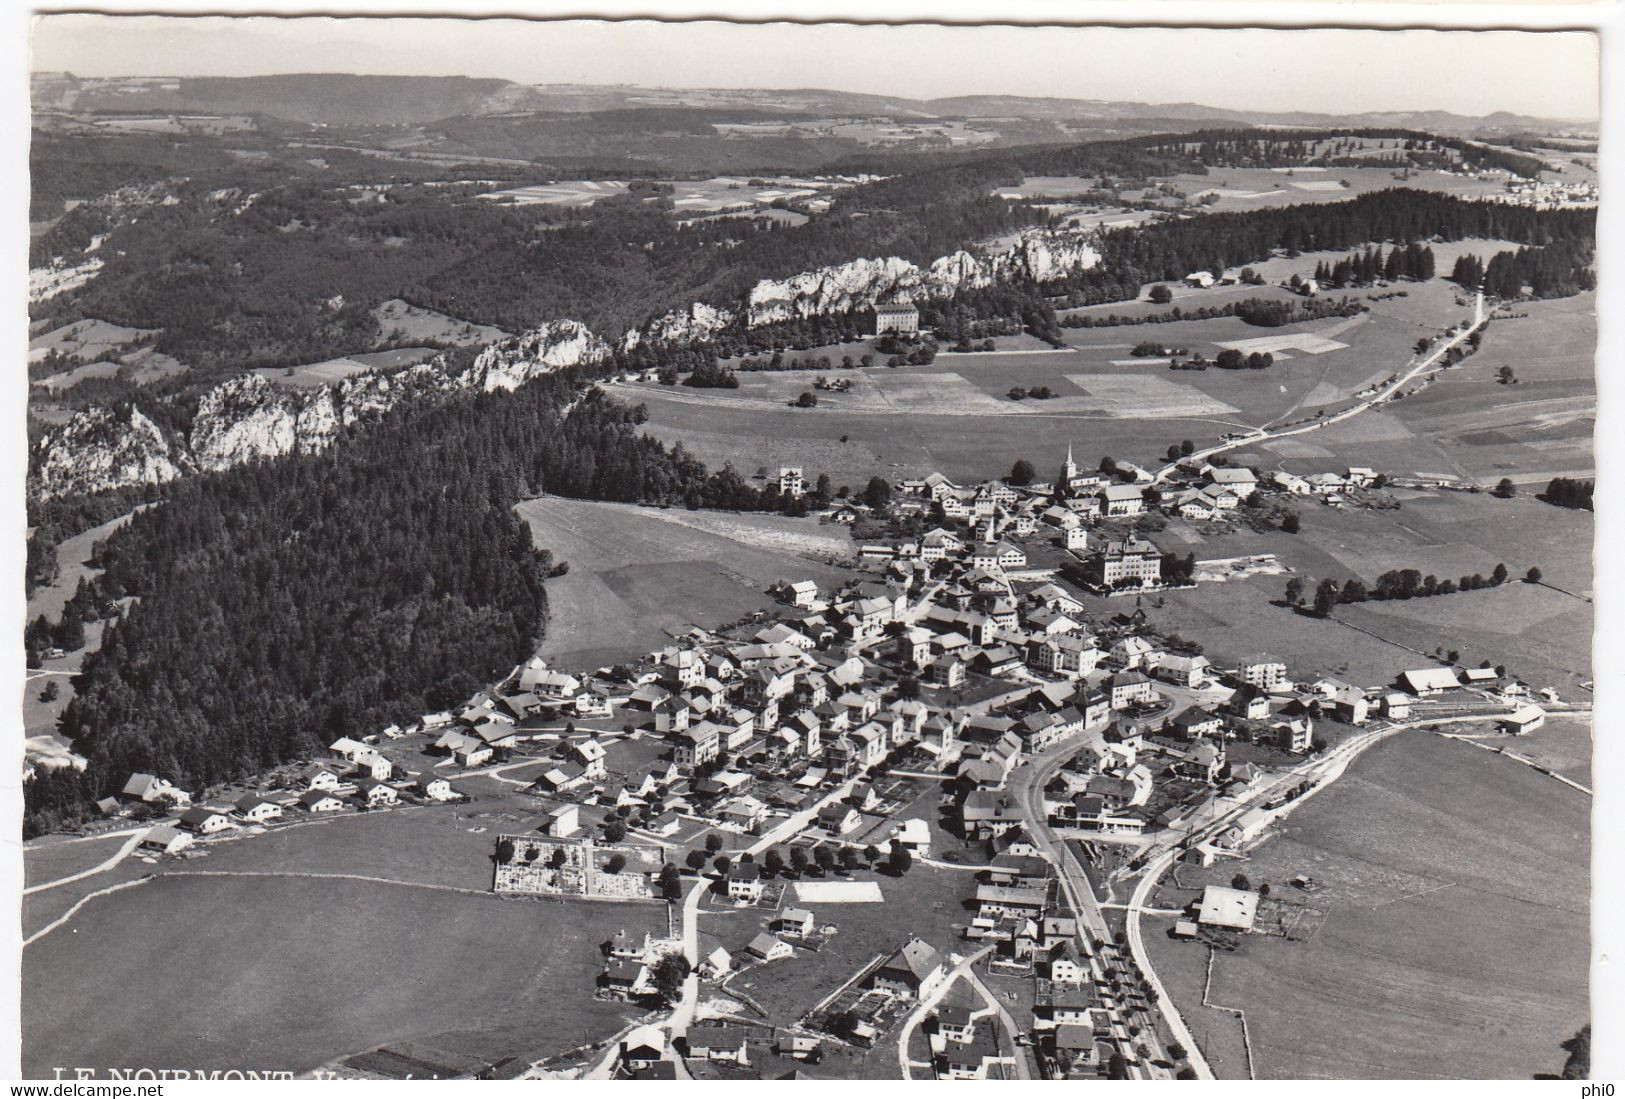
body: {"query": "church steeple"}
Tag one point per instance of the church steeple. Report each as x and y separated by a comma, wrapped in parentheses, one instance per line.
(1069, 470)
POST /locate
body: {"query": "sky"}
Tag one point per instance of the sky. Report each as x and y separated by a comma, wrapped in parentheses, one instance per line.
(1330, 71)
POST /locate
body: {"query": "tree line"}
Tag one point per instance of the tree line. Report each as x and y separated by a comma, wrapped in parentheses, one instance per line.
(1394, 584)
(285, 603)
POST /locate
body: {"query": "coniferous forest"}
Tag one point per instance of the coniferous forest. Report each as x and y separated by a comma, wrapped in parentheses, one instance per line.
(284, 604)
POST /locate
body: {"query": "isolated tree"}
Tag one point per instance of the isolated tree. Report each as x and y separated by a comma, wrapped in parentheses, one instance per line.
(713, 843)
(1532, 576)
(1325, 597)
(1022, 473)
(1240, 882)
(1499, 576)
(695, 860)
(1161, 294)
(851, 857)
(825, 858)
(1505, 375)
(1505, 489)
(51, 692)
(808, 399)
(899, 860)
(723, 864)
(671, 882)
(1294, 591)
(1264, 889)
(871, 853)
(615, 863)
(1187, 447)
(1117, 1067)
(877, 493)
(1291, 524)
(798, 859)
(615, 831)
(504, 851)
(773, 862)
(669, 973)
(557, 859)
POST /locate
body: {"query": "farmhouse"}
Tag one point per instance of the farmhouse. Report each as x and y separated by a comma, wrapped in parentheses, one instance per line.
(1423, 682)
(151, 788)
(913, 972)
(769, 948)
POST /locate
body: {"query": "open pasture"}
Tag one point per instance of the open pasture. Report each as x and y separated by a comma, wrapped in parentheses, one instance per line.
(1260, 188)
(688, 196)
(411, 322)
(636, 572)
(257, 973)
(86, 339)
(1456, 941)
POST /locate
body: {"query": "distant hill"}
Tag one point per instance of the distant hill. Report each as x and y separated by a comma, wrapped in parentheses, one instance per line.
(337, 99)
(331, 99)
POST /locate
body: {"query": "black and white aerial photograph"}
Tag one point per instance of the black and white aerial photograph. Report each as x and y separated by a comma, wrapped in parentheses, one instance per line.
(647, 548)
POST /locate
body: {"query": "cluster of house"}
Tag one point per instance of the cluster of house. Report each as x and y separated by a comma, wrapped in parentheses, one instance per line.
(369, 780)
(1331, 488)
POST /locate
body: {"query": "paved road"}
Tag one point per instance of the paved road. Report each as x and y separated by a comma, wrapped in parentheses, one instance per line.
(925, 1005)
(1322, 771)
(1258, 435)
(1028, 786)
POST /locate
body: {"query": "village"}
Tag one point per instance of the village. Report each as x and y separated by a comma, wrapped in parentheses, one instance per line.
(977, 697)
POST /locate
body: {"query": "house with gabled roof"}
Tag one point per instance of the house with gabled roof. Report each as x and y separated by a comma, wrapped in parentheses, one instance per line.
(254, 808)
(151, 788)
(914, 971)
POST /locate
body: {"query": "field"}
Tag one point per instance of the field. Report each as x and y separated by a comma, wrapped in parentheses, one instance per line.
(637, 572)
(1538, 632)
(328, 371)
(703, 196)
(87, 339)
(1261, 188)
(291, 974)
(955, 415)
(1456, 940)
(402, 321)
(1531, 431)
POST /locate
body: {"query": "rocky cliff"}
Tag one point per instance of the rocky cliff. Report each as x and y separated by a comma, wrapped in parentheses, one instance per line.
(101, 449)
(1039, 255)
(250, 418)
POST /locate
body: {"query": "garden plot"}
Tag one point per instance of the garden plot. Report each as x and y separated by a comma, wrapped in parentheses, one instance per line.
(1146, 396)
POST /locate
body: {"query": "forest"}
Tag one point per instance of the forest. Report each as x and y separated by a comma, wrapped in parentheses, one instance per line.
(283, 604)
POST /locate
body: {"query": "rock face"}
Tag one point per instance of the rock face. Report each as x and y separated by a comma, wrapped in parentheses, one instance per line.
(1039, 255)
(244, 420)
(554, 346)
(249, 418)
(698, 322)
(100, 449)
